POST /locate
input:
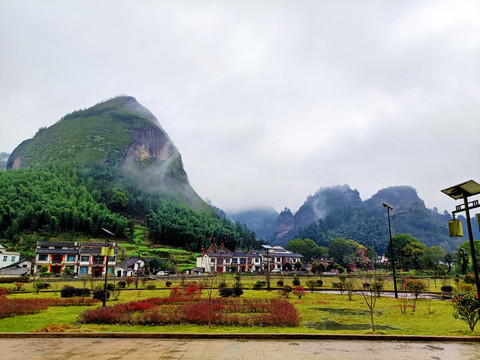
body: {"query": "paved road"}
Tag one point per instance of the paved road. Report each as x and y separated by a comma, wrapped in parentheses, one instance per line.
(149, 349)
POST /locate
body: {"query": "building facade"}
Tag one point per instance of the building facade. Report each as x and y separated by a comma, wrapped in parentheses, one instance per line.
(253, 261)
(8, 258)
(82, 259)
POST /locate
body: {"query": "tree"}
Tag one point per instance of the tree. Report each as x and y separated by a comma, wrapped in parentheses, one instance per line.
(417, 287)
(413, 254)
(464, 254)
(370, 282)
(307, 248)
(341, 250)
(405, 256)
(449, 260)
(466, 307)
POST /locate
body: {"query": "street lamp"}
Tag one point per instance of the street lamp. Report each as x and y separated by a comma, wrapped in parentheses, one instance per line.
(391, 217)
(268, 247)
(463, 191)
(107, 251)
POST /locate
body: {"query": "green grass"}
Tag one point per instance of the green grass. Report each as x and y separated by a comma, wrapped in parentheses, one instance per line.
(430, 318)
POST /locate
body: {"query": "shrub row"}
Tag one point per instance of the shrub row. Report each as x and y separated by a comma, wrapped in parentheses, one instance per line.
(13, 307)
(159, 311)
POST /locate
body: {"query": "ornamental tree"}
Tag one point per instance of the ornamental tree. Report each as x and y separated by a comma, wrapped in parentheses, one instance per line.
(466, 307)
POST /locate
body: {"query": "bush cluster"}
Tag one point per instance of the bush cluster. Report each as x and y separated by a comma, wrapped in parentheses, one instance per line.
(188, 310)
(100, 294)
(14, 307)
(466, 307)
(70, 291)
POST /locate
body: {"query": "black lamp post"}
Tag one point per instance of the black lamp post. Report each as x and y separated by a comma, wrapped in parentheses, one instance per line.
(463, 191)
(391, 247)
(106, 252)
(390, 218)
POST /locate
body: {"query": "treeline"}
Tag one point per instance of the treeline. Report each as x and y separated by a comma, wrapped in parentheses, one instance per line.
(177, 225)
(50, 200)
(408, 252)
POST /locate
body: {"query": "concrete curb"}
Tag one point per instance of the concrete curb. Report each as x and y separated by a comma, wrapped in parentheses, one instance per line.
(282, 336)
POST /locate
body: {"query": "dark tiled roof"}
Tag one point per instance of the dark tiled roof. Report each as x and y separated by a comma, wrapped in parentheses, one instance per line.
(14, 271)
(242, 254)
(56, 244)
(57, 251)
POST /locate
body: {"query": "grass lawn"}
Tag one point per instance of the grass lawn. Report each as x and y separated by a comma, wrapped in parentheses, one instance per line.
(319, 312)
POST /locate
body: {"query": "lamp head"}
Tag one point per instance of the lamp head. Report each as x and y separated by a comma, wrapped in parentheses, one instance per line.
(387, 206)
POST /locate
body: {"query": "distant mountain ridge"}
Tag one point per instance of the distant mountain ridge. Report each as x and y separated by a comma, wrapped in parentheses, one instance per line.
(119, 133)
(339, 211)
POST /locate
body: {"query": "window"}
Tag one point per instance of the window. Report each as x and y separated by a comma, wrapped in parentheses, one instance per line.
(243, 261)
(42, 257)
(212, 260)
(57, 258)
(84, 270)
(71, 258)
(227, 261)
(234, 261)
(257, 260)
(5, 258)
(13, 259)
(111, 259)
(84, 258)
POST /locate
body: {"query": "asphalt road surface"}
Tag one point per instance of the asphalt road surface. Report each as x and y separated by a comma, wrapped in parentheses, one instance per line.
(149, 349)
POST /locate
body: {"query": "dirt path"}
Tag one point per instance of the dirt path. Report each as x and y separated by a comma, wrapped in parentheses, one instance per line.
(148, 349)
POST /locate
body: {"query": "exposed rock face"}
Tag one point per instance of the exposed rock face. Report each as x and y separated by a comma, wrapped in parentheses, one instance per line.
(285, 227)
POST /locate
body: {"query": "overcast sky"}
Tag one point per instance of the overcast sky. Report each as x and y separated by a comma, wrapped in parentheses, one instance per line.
(267, 101)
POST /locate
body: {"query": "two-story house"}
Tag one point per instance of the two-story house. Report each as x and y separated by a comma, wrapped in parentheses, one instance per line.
(81, 258)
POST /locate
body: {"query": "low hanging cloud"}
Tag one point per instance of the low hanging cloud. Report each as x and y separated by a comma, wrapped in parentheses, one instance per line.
(266, 101)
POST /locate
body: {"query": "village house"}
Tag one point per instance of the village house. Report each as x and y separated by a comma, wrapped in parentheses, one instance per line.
(11, 265)
(8, 258)
(81, 258)
(253, 261)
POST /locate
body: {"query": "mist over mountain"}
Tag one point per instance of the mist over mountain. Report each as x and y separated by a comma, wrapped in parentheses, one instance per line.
(260, 220)
(338, 211)
(118, 133)
(3, 160)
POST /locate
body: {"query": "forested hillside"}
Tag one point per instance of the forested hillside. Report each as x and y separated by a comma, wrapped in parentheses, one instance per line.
(109, 166)
(63, 201)
(52, 200)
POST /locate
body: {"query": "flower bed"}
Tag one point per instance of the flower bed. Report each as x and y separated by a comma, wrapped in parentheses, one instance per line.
(194, 310)
(13, 307)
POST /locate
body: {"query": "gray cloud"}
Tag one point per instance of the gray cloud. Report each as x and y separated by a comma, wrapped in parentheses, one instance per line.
(266, 100)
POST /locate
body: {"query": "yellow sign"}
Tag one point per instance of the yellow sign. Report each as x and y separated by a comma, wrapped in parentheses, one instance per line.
(455, 228)
(108, 252)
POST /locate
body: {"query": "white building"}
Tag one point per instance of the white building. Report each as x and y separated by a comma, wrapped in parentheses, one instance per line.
(254, 261)
(8, 258)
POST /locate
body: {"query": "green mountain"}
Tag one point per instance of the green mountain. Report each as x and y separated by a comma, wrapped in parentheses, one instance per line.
(110, 166)
(118, 133)
(339, 212)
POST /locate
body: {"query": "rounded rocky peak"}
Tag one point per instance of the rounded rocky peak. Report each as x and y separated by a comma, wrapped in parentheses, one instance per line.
(132, 105)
